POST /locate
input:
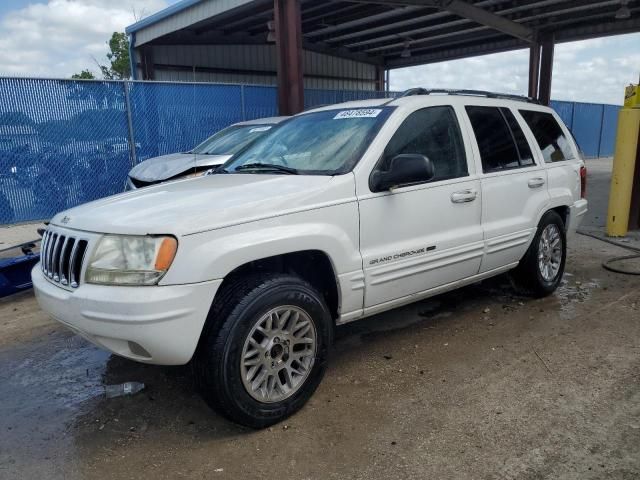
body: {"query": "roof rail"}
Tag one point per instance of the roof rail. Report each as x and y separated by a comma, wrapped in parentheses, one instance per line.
(472, 93)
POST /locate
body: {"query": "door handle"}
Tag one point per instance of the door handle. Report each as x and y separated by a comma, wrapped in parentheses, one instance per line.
(536, 182)
(464, 196)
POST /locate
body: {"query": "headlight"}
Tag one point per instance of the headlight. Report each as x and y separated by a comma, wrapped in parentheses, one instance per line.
(131, 260)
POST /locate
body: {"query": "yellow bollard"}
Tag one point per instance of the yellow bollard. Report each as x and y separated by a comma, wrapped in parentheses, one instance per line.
(624, 161)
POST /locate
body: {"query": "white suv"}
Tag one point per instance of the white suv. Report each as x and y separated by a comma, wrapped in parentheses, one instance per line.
(339, 213)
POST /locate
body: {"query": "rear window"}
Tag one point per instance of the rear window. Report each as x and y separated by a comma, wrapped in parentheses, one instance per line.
(551, 139)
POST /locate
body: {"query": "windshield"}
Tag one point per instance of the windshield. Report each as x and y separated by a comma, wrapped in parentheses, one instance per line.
(231, 140)
(322, 143)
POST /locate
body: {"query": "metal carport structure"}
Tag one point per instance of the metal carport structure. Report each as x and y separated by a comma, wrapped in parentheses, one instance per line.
(351, 44)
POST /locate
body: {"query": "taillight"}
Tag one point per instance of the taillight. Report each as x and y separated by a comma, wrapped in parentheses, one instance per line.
(583, 181)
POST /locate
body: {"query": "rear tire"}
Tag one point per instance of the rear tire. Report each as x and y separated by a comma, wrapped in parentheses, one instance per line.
(264, 350)
(540, 270)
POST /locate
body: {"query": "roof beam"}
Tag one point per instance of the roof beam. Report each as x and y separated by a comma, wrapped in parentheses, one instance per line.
(424, 33)
(362, 22)
(471, 12)
(416, 24)
(320, 47)
(448, 54)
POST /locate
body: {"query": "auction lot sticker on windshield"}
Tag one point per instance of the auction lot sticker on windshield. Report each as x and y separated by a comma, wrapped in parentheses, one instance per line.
(260, 129)
(359, 113)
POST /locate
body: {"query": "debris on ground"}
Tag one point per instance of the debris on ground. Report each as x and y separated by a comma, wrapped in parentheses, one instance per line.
(123, 389)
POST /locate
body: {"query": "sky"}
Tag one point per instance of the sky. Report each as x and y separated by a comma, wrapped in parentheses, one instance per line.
(588, 71)
(56, 38)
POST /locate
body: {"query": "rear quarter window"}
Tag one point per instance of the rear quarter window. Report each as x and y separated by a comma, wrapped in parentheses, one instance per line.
(553, 143)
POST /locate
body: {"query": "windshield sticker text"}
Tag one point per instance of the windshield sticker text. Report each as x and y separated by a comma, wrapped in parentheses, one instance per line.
(360, 113)
(259, 129)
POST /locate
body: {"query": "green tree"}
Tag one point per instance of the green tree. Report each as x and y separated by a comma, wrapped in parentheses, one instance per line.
(118, 56)
(83, 75)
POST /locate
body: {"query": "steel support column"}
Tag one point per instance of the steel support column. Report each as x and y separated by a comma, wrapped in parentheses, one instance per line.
(380, 78)
(546, 71)
(289, 47)
(534, 69)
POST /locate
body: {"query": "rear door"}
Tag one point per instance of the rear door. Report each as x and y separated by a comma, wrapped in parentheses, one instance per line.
(559, 153)
(514, 186)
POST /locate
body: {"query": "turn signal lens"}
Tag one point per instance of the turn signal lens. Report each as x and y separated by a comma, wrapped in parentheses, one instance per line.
(166, 253)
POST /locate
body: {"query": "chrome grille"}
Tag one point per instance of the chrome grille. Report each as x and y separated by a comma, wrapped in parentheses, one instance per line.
(61, 257)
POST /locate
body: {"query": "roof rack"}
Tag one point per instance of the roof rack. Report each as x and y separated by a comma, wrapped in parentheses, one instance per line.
(471, 93)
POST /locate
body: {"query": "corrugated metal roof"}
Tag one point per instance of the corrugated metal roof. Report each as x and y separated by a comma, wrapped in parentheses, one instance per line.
(161, 15)
(394, 33)
(181, 15)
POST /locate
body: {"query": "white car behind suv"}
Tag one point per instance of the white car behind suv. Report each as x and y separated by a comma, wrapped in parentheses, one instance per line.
(211, 153)
(342, 212)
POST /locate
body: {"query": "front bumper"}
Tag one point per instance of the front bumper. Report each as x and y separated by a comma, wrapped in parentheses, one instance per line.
(158, 324)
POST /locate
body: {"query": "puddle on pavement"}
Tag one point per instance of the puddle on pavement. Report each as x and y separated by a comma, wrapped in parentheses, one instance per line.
(43, 386)
(52, 394)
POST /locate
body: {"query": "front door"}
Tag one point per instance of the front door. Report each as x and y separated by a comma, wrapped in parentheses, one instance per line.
(419, 237)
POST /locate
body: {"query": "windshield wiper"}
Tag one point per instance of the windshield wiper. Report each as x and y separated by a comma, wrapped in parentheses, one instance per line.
(216, 169)
(268, 166)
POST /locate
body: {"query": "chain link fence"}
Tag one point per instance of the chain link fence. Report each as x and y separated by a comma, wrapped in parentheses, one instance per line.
(67, 142)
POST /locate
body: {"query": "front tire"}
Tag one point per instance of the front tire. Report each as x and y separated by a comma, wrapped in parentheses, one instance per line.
(540, 270)
(264, 350)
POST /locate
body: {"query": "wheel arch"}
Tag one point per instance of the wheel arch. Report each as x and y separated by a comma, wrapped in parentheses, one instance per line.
(314, 266)
(564, 211)
(561, 209)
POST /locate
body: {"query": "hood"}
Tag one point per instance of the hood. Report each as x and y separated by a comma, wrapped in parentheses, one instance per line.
(206, 203)
(167, 166)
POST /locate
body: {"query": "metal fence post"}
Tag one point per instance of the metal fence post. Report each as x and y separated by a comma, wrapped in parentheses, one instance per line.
(132, 140)
(600, 131)
(244, 113)
(573, 114)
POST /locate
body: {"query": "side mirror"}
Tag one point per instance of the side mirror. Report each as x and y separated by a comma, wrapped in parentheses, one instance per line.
(405, 169)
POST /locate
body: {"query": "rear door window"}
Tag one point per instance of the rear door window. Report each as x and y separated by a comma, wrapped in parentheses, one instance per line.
(501, 141)
(524, 151)
(551, 139)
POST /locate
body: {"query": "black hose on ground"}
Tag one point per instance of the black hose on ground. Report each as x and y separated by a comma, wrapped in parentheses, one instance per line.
(607, 264)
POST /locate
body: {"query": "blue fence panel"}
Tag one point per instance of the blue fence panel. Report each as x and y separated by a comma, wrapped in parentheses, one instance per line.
(316, 98)
(260, 102)
(587, 119)
(564, 110)
(175, 117)
(62, 143)
(609, 128)
(66, 142)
